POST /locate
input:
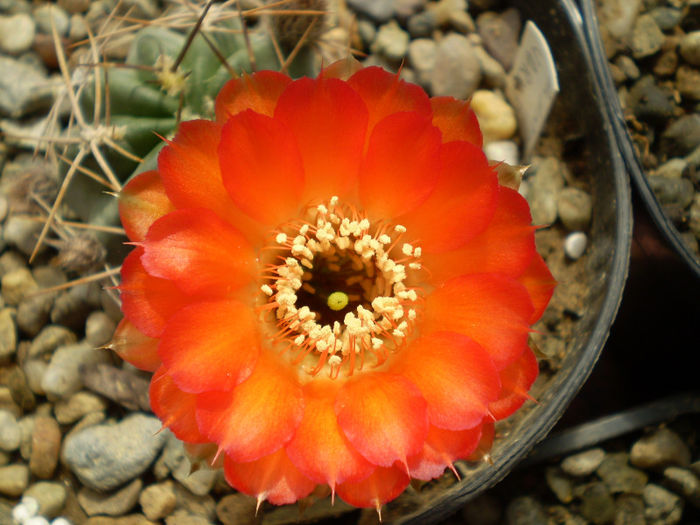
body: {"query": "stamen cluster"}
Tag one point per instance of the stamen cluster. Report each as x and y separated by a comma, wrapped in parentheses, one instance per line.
(385, 305)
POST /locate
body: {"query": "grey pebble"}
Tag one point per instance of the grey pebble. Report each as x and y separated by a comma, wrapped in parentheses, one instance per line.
(13, 480)
(19, 231)
(50, 338)
(158, 500)
(457, 71)
(10, 432)
(690, 48)
(597, 504)
(26, 425)
(493, 73)
(684, 482)
(678, 192)
(8, 334)
(662, 506)
(559, 484)
(672, 168)
(16, 33)
(543, 189)
(11, 260)
(99, 328)
(24, 88)
(391, 42)
(45, 14)
(666, 17)
(619, 476)
(116, 503)
(421, 56)
(584, 463)
(64, 376)
(422, 25)
(105, 456)
(574, 207)
(377, 10)
(661, 448)
(33, 312)
(50, 495)
(682, 136)
(650, 102)
(647, 38)
(78, 28)
(525, 510)
(199, 482)
(126, 387)
(500, 33)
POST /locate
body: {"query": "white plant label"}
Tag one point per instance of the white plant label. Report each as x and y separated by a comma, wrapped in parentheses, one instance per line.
(532, 85)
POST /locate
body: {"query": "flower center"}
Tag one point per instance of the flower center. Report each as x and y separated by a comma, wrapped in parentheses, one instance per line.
(342, 293)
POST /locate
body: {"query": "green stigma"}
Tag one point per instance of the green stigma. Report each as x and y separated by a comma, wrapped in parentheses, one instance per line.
(337, 301)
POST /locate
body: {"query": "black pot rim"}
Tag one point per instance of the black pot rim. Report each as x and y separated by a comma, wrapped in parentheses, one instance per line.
(624, 139)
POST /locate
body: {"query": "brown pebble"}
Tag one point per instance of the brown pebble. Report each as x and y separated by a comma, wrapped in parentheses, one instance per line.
(131, 519)
(21, 393)
(158, 501)
(46, 444)
(236, 509)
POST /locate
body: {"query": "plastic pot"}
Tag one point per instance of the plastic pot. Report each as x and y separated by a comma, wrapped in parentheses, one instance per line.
(579, 111)
(629, 154)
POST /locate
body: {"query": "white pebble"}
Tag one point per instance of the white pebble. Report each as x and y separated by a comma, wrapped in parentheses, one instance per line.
(21, 513)
(503, 151)
(36, 520)
(61, 521)
(575, 245)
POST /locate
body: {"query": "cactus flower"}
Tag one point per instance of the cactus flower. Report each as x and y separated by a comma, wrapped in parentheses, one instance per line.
(330, 285)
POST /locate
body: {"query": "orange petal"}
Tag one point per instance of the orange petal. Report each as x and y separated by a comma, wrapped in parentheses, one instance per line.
(482, 450)
(442, 448)
(175, 408)
(141, 202)
(319, 449)
(385, 93)
(148, 301)
(399, 171)
(506, 246)
(189, 168)
(516, 378)
(463, 202)
(258, 92)
(261, 167)
(273, 478)
(540, 283)
(456, 119)
(200, 252)
(258, 417)
(329, 121)
(134, 347)
(383, 485)
(210, 346)
(455, 375)
(384, 417)
(492, 309)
